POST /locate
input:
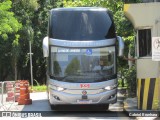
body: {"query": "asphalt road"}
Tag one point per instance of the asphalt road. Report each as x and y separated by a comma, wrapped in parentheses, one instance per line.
(40, 105)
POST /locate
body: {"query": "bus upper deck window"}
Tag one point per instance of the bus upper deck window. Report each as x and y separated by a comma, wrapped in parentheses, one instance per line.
(144, 40)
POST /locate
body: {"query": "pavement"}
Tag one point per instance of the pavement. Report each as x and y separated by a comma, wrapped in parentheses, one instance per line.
(40, 102)
(130, 106)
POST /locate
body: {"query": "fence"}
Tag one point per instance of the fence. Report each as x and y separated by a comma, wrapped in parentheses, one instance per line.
(1, 97)
(8, 95)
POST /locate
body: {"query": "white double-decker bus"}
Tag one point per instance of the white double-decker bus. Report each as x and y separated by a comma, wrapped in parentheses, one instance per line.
(81, 54)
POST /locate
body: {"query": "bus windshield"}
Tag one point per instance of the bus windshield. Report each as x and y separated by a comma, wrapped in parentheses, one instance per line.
(83, 65)
(81, 25)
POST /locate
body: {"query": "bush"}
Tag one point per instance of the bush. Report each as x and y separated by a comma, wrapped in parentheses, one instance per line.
(42, 88)
(131, 81)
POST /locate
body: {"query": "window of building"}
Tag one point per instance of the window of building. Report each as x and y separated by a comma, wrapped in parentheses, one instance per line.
(144, 40)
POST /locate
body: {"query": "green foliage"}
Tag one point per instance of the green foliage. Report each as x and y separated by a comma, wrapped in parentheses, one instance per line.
(121, 84)
(41, 88)
(130, 44)
(8, 23)
(30, 4)
(113, 5)
(9, 39)
(33, 16)
(130, 77)
(37, 82)
(57, 68)
(16, 41)
(127, 78)
(73, 67)
(25, 12)
(15, 46)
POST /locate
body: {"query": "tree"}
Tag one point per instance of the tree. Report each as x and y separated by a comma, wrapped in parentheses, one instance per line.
(24, 11)
(33, 14)
(8, 23)
(9, 39)
(73, 67)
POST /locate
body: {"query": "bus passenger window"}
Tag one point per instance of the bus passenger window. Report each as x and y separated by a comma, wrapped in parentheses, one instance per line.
(144, 38)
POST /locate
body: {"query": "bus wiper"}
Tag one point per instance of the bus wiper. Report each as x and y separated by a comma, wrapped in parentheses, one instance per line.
(57, 78)
(61, 78)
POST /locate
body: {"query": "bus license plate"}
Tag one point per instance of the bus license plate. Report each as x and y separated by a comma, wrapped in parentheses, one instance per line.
(84, 101)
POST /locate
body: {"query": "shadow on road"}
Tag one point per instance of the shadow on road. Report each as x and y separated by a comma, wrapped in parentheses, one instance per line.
(38, 105)
(43, 107)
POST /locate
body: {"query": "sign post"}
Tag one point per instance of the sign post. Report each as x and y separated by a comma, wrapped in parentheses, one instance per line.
(30, 54)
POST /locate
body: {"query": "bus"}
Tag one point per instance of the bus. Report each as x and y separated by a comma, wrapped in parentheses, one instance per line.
(81, 52)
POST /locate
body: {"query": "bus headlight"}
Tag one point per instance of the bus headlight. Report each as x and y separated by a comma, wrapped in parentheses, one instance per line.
(57, 88)
(60, 89)
(111, 87)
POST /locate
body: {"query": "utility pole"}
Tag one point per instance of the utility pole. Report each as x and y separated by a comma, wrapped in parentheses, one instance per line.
(30, 55)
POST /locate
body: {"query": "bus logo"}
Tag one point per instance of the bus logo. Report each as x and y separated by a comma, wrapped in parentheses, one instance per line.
(84, 92)
(85, 85)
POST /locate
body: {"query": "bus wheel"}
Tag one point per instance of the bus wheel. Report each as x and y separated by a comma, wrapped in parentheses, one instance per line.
(53, 107)
(103, 107)
(107, 106)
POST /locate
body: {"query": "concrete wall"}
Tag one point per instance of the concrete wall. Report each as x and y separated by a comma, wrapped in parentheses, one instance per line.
(146, 68)
(143, 15)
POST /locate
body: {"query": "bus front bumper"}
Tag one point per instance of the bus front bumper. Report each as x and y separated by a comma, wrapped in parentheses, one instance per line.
(61, 98)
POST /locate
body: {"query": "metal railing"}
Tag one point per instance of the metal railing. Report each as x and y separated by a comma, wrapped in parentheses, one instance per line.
(2, 107)
(7, 95)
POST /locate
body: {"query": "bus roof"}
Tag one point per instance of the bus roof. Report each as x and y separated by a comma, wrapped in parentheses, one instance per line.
(80, 9)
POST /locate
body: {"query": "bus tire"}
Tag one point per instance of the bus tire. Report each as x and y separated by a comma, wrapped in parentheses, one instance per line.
(53, 107)
(107, 106)
(103, 107)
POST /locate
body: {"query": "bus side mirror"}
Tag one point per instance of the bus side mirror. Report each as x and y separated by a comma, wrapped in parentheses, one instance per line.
(45, 47)
(121, 46)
